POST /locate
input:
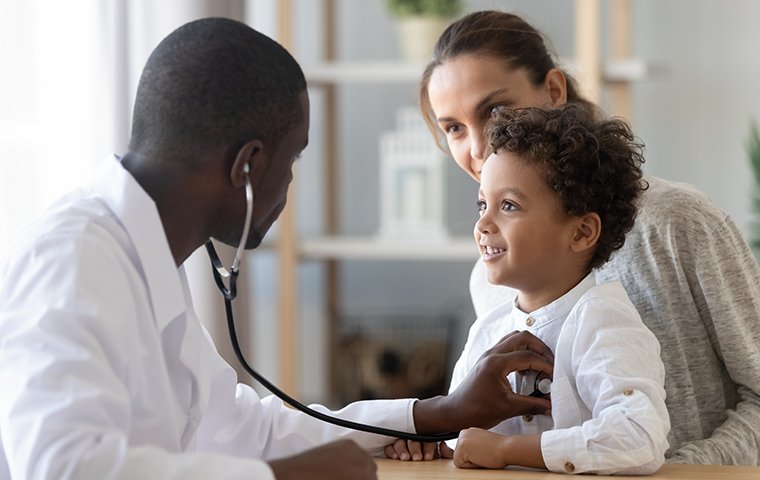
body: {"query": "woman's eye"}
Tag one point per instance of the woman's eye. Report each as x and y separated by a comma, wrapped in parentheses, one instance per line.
(452, 129)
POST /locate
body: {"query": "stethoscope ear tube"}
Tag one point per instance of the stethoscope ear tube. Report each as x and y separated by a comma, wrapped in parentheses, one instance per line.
(219, 271)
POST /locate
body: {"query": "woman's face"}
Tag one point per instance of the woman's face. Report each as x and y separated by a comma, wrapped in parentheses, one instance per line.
(465, 89)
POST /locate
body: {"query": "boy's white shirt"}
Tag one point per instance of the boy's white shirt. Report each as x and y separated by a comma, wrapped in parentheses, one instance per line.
(608, 400)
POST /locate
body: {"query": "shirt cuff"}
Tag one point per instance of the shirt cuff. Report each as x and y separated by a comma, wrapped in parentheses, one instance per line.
(564, 450)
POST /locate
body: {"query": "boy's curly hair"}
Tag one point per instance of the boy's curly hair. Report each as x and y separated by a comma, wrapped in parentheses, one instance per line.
(592, 165)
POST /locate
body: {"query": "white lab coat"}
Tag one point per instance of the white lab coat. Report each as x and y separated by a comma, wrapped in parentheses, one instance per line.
(106, 371)
(608, 401)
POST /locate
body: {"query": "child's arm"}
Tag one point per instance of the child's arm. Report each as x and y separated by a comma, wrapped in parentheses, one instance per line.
(608, 400)
(478, 448)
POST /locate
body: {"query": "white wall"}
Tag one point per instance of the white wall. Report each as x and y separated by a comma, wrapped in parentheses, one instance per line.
(694, 114)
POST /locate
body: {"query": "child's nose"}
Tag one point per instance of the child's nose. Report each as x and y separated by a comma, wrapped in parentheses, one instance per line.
(484, 224)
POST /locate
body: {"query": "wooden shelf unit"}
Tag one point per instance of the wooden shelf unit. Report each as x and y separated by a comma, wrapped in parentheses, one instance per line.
(618, 72)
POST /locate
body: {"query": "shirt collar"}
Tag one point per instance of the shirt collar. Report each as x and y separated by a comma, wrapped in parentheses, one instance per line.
(559, 308)
(139, 216)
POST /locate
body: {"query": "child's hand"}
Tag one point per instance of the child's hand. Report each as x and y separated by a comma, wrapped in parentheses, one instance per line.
(416, 451)
(477, 448)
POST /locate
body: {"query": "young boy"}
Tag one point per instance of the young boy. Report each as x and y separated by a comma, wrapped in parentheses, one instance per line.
(558, 194)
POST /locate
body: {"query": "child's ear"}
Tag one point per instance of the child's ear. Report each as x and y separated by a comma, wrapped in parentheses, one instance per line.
(587, 230)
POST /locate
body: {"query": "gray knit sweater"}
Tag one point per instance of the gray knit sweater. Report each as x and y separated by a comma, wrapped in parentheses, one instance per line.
(696, 284)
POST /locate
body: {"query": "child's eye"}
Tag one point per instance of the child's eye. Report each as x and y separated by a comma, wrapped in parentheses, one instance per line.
(508, 206)
(496, 109)
(481, 204)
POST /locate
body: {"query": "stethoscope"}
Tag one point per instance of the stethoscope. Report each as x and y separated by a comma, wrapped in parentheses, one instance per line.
(229, 293)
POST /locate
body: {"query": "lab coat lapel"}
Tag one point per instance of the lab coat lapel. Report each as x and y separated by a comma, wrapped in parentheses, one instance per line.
(168, 288)
(139, 216)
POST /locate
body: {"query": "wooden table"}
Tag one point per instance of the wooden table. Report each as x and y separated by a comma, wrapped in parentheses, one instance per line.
(443, 469)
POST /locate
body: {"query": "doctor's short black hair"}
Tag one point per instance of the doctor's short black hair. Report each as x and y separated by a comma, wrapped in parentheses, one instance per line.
(215, 82)
(592, 165)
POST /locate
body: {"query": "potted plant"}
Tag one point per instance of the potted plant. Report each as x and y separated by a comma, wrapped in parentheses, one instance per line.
(420, 23)
(753, 151)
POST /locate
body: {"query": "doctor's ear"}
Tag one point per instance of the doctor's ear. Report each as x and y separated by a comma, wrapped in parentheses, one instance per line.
(249, 160)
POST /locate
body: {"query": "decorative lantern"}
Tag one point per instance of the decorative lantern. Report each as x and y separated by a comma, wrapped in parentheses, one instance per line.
(411, 182)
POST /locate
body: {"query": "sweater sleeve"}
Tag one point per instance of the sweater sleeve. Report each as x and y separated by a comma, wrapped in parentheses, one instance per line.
(725, 281)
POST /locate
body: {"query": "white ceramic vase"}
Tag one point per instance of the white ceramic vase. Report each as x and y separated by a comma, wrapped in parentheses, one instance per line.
(418, 34)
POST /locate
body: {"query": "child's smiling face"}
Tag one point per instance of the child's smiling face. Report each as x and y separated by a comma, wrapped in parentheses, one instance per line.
(523, 233)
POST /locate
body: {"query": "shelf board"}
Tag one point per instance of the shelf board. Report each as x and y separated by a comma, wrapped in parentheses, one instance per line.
(392, 71)
(374, 248)
(625, 70)
(380, 71)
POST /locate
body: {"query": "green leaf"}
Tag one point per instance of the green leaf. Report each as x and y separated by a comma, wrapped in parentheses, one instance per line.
(434, 8)
(753, 150)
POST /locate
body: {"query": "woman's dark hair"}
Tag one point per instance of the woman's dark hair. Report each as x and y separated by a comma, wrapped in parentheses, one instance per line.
(215, 82)
(592, 165)
(499, 35)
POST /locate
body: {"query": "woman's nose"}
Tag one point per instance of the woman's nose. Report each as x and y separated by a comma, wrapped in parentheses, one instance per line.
(477, 154)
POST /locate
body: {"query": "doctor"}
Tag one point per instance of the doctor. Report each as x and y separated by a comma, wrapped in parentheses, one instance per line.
(105, 370)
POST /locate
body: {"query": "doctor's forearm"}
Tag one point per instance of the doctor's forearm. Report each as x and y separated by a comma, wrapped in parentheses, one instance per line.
(453, 413)
(434, 415)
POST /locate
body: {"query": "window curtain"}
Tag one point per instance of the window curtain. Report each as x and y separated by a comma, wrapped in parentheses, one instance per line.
(70, 72)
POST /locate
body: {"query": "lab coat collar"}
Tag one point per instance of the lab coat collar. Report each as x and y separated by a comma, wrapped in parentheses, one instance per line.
(559, 308)
(139, 216)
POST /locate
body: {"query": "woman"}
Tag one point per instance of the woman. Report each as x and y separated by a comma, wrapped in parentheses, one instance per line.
(685, 265)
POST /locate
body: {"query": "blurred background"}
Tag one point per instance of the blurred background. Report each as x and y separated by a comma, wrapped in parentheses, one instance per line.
(335, 310)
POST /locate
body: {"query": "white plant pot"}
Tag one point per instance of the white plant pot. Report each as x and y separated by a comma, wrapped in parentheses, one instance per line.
(418, 35)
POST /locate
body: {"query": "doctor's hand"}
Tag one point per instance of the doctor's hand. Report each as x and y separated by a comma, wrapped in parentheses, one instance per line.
(340, 460)
(485, 397)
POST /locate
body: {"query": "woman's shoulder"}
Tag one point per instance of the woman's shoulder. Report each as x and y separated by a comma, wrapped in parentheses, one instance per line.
(669, 201)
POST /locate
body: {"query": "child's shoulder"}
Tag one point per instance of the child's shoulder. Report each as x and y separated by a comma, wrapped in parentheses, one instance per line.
(606, 312)
(605, 300)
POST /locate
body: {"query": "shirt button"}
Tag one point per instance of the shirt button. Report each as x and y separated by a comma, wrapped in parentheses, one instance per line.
(628, 392)
(569, 467)
(527, 418)
(529, 321)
